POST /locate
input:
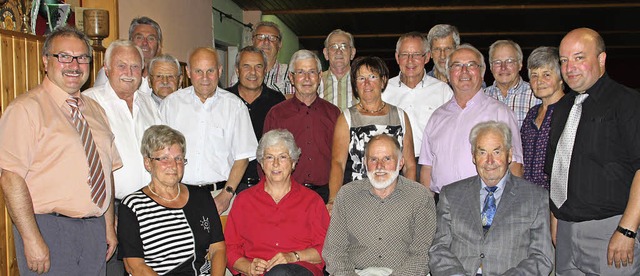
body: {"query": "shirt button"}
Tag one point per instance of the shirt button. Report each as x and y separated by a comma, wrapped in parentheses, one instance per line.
(379, 239)
(380, 256)
(309, 175)
(482, 255)
(277, 244)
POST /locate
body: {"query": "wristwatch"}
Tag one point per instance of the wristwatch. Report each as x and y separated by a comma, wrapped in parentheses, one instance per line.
(230, 190)
(626, 232)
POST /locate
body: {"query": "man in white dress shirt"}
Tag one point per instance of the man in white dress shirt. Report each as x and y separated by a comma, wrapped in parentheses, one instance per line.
(216, 123)
(413, 90)
(130, 113)
(145, 33)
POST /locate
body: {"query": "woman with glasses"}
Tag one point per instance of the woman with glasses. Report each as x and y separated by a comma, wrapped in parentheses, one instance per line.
(546, 82)
(278, 226)
(368, 118)
(168, 228)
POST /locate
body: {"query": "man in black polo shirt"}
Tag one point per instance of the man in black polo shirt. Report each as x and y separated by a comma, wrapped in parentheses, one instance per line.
(251, 68)
(595, 177)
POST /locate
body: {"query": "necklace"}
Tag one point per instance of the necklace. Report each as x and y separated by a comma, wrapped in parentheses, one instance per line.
(167, 200)
(372, 111)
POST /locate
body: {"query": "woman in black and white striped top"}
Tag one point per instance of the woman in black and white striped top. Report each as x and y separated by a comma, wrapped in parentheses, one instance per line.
(167, 227)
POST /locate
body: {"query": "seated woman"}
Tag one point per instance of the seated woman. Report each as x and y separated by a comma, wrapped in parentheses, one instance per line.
(544, 75)
(278, 226)
(370, 117)
(167, 228)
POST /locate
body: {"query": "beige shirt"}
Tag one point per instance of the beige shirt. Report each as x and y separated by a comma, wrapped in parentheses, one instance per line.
(39, 143)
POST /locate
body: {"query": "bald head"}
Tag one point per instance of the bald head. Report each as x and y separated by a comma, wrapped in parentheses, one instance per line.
(582, 58)
(204, 71)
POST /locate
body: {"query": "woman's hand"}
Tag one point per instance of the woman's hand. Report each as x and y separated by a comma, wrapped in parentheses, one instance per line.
(257, 267)
(281, 258)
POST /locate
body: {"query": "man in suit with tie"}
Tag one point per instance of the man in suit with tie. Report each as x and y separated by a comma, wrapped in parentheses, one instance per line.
(493, 223)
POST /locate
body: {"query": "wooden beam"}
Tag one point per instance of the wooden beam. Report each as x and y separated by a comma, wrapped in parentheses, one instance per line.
(452, 8)
(467, 34)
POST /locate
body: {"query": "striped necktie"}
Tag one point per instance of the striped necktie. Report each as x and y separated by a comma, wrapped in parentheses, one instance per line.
(96, 175)
(489, 209)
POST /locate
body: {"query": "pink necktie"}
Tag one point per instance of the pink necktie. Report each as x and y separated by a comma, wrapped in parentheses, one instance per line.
(96, 175)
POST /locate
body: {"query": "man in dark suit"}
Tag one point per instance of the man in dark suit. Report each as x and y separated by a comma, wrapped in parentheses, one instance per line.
(493, 223)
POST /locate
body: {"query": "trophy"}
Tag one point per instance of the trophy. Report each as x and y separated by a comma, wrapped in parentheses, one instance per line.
(96, 25)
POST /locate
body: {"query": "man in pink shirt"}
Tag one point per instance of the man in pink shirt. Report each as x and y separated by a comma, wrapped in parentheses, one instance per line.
(445, 151)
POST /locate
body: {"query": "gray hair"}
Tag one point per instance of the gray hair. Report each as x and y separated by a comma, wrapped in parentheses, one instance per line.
(160, 137)
(425, 45)
(441, 31)
(490, 126)
(143, 20)
(121, 43)
(504, 42)
(64, 31)
(165, 58)
(544, 57)
(251, 49)
(303, 54)
(483, 65)
(383, 136)
(267, 24)
(276, 137)
(339, 31)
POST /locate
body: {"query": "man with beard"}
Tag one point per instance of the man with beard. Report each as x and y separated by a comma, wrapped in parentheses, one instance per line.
(165, 76)
(384, 224)
(492, 223)
(145, 33)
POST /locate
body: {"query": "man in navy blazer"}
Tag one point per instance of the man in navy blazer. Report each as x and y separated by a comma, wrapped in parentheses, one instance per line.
(512, 240)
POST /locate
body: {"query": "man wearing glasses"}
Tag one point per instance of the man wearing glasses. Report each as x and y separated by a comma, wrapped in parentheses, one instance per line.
(268, 38)
(442, 40)
(413, 90)
(165, 76)
(57, 154)
(446, 151)
(310, 119)
(145, 33)
(335, 85)
(505, 57)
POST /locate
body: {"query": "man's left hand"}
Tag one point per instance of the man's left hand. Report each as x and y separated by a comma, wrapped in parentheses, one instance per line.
(281, 258)
(222, 200)
(620, 250)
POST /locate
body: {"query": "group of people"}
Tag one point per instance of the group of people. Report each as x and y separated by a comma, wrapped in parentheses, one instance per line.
(349, 171)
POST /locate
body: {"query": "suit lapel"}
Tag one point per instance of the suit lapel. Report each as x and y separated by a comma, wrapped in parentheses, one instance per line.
(471, 199)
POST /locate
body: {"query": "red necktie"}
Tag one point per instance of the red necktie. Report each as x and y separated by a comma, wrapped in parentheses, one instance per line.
(96, 175)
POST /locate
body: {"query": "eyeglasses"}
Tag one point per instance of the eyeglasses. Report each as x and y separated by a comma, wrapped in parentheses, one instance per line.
(65, 58)
(163, 77)
(510, 62)
(165, 160)
(405, 56)
(370, 78)
(302, 73)
(457, 66)
(141, 38)
(280, 158)
(339, 47)
(445, 50)
(262, 37)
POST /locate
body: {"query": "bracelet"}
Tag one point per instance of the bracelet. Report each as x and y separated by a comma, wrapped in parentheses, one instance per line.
(297, 256)
(626, 232)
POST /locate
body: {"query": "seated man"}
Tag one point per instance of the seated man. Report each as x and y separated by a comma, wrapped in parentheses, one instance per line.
(382, 225)
(493, 223)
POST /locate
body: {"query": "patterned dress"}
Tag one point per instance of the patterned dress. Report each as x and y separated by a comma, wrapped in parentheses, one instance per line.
(361, 129)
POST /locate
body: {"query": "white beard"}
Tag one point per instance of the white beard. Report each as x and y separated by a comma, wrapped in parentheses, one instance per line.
(393, 175)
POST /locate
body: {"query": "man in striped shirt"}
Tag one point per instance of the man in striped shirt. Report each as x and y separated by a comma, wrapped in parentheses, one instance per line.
(335, 86)
(505, 59)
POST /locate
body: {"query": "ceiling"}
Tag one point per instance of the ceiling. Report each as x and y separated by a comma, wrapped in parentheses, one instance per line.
(377, 24)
